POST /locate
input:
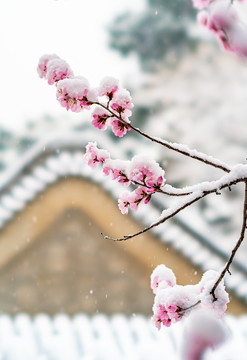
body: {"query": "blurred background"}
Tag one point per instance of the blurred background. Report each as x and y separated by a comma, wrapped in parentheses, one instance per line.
(185, 89)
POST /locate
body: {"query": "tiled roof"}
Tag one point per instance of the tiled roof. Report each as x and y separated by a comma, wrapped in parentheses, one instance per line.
(61, 156)
(104, 338)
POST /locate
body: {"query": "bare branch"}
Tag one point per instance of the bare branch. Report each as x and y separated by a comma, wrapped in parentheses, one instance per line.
(183, 311)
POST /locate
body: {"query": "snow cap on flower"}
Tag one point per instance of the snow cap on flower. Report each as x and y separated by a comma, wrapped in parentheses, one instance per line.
(162, 276)
(122, 102)
(118, 169)
(94, 155)
(108, 86)
(57, 69)
(147, 171)
(172, 303)
(182, 296)
(92, 94)
(42, 65)
(73, 94)
(206, 285)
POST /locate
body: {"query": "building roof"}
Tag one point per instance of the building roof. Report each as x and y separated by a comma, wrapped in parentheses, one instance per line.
(61, 155)
(102, 338)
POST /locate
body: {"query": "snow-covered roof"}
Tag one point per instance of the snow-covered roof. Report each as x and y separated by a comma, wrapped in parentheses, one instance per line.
(99, 337)
(61, 155)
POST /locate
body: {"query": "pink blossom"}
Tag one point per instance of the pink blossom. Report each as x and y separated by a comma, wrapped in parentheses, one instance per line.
(116, 173)
(108, 86)
(121, 176)
(174, 312)
(124, 201)
(119, 128)
(107, 170)
(122, 102)
(117, 168)
(162, 274)
(94, 156)
(157, 321)
(136, 197)
(122, 179)
(130, 200)
(141, 194)
(155, 184)
(75, 94)
(100, 117)
(161, 317)
(42, 65)
(175, 301)
(172, 302)
(136, 200)
(123, 204)
(148, 172)
(57, 69)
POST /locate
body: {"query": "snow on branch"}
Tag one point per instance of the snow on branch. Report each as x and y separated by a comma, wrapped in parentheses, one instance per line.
(238, 174)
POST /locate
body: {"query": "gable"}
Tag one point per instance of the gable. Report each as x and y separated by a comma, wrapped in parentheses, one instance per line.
(52, 184)
(53, 257)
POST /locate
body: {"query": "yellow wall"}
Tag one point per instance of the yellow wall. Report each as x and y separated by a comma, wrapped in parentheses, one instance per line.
(74, 193)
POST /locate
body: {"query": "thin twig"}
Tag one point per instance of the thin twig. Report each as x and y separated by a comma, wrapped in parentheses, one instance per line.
(161, 221)
(159, 190)
(235, 249)
(187, 152)
(182, 311)
(201, 194)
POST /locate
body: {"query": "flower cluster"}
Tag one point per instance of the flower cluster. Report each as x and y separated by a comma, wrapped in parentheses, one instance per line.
(53, 69)
(95, 156)
(173, 301)
(113, 103)
(146, 174)
(75, 94)
(222, 19)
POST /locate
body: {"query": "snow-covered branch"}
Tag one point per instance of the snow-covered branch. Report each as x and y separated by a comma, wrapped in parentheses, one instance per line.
(198, 193)
(180, 148)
